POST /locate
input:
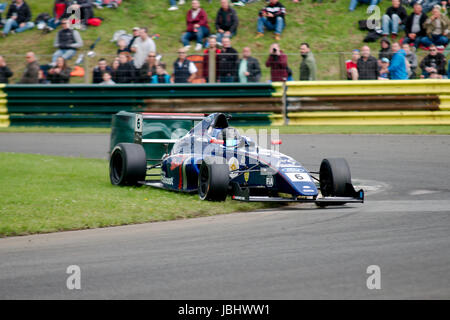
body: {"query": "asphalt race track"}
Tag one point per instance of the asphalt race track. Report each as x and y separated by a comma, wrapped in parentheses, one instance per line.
(296, 252)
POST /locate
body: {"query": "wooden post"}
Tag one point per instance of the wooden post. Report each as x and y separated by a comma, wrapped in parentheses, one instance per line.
(285, 105)
(86, 69)
(212, 66)
(342, 66)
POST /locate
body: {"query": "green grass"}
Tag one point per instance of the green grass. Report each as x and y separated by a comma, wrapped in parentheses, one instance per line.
(327, 26)
(40, 194)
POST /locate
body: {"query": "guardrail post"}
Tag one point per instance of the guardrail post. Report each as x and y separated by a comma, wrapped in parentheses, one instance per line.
(285, 105)
(212, 65)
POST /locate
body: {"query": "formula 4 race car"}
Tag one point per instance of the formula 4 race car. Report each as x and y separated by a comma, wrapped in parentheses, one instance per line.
(199, 153)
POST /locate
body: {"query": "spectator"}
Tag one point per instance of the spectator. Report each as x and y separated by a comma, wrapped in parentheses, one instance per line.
(135, 36)
(367, 65)
(397, 67)
(107, 79)
(433, 65)
(173, 4)
(308, 65)
(197, 26)
(123, 47)
(59, 73)
(5, 72)
(385, 51)
(148, 68)
(183, 69)
(384, 69)
(278, 63)
(161, 75)
(351, 65)
(212, 47)
(412, 61)
(31, 73)
(99, 70)
(142, 46)
(125, 72)
(414, 26)
(86, 10)
(249, 69)
(371, 3)
(226, 21)
(67, 41)
(436, 28)
(272, 17)
(428, 5)
(228, 62)
(393, 19)
(18, 18)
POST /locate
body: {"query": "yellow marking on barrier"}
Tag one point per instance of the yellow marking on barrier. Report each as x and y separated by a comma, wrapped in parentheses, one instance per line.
(444, 102)
(363, 87)
(4, 121)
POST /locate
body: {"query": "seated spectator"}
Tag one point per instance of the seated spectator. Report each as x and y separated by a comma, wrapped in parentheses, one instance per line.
(125, 72)
(433, 65)
(148, 69)
(142, 46)
(67, 41)
(226, 21)
(272, 17)
(173, 4)
(249, 69)
(397, 67)
(371, 3)
(99, 70)
(367, 65)
(428, 5)
(393, 19)
(212, 47)
(86, 8)
(351, 65)
(18, 18)
(5, 72)
(278, 63)
(384, 69)
(107, 79)
(385, 51)
(412, 61)
(161, 75)
(123, 47)
(31, 72)
(197, 26)
(308, 65)
(228, 62)
(59, 73)
(436, 28)
(414, 26)
(183, 69)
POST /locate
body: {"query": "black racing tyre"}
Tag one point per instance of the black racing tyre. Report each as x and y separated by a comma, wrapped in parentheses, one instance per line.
(213, 179)
(334, 177)
(127, 165)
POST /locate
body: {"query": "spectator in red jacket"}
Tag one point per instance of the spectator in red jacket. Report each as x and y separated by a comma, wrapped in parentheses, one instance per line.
(278, 63)
(212, 46)
(197, 26)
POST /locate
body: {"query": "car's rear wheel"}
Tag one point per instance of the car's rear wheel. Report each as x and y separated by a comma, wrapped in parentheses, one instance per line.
(334, 177)
(127, 165)
(213, 180)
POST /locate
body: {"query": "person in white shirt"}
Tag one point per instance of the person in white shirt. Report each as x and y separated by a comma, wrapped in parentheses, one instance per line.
(142, 46)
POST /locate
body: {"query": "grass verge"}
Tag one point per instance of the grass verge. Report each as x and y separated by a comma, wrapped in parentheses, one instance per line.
(40, 194)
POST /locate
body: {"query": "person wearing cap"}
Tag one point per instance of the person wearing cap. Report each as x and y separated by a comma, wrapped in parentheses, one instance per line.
(436, 27)
(183, 69)
(135, 36)
(384, 69)
(352, 66)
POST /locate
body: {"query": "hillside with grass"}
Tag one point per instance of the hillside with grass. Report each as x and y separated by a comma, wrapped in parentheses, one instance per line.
(327, 26)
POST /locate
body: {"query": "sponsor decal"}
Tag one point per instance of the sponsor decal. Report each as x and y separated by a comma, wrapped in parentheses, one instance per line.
(298, 177)
(233, 164)
(292, 170)
(269, 181)
(246, 176)
(308, 190)
(167, 180)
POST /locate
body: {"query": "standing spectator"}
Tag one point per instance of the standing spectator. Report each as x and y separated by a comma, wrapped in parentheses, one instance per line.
(148, 68)
(67, 41)
(107, 79)
(371, 3)
(161, 75)
(197, 26)
(212, 47)
(228, 62)
(414, 26)
(436, 28)
(352, 66)
(249, 69)
(99, 70)
(59, 73)
(135, 36)
(86, 8)
(142, 46)
(183, 69)
(226, 21)
(173, 4)
(18, 18)
(278, 63)
(384, 69)
(5, 72)
(272, 17)
(125, 71)
(397, 67)
(393, 19)
(308, 65)
(367, 65)
(385, 51)
(31, 73)
(412, 61)
(433, 65)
